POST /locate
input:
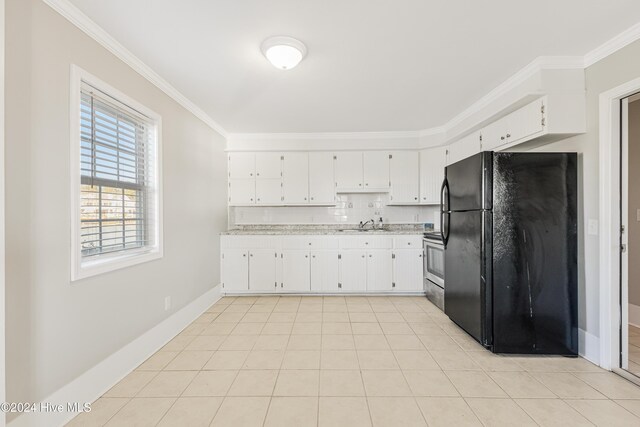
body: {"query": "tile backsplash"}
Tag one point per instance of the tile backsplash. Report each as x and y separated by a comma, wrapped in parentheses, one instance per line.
(350, 209)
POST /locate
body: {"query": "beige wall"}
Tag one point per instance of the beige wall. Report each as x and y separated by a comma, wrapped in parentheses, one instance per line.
(56, 330)
(606, 74)
(634, 202)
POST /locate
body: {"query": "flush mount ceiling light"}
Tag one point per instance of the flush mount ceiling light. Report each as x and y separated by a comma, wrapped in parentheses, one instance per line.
(283, 52)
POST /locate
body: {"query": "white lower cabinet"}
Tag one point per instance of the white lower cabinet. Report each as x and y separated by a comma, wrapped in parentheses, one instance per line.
(262, 270)
(407, 270)
(324, 271)
(300, 264)
(235, 270)
(379, 270)
(296, 271)
(353, 271)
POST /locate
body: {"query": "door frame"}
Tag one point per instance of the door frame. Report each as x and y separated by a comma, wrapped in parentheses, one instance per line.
(610, 213)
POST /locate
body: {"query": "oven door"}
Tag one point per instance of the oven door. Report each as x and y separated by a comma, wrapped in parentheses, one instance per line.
(434, 263)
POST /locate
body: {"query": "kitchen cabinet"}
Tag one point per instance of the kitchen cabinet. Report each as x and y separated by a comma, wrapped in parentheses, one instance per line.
(349, 170)
(296, 271)
(432, 164)
(375, 170)
(515, 127)
(324, 264)
(242, 191)
(463, 148)
(494, 135)
(379, 270)
(268, 165)
(262, 270)
(407, 270)
(242, 165)
(324, 271)
(404, 175)
(321, 180)
(295, 178)
(353, 271)
(362, 171)
(268, 191)
(235, 270)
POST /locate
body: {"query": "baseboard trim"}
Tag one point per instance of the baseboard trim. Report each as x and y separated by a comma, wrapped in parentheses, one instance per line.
(97, 380)
(634, 315)
(589, 346)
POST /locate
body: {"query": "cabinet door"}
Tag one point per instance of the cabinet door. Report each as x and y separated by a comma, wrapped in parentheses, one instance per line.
(376, 169)
(296, 271)
(262, 270)
(268, 165)
(321, 179)
(348, 170)
(466, 147)
(269, 191)
(353, 271)
(242, 191)
(324, 271)
(494, 135)
(405, 177)
(432, 164)
(235, 270)
(407, 270)
(242, 165)
(525, 122)
(295, 178)
(379, 270)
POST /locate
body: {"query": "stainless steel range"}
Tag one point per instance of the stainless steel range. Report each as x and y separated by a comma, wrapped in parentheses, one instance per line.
(433, 268)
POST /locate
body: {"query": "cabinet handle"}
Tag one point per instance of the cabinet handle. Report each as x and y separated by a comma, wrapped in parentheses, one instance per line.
(251, 255)
(258, 199)
(311, 198)
(366, 243)
(409, 243)
(415, 198)
(305, 198)
(370, 255)
(508, 135)
(362, 256)
(244, 255)
(309, 243)
(306, 256)
(367, 184)
(250, 174)
(502, 137)
(257, 174)
(313, 256)
(360, 185)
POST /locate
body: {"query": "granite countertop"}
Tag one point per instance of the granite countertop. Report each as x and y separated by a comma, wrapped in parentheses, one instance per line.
(320, 230)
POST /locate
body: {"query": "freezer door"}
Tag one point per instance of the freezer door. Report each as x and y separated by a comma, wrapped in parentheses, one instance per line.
(535, 253)
(466, 298)
(467, 184)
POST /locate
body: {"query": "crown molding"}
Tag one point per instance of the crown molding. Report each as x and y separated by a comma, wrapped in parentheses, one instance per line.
(613, 45)
(93, 30)
(312, 136)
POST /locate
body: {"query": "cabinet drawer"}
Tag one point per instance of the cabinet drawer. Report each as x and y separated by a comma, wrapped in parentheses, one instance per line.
(309, 242)
(368, 242)
(250, 242)
(407, 242)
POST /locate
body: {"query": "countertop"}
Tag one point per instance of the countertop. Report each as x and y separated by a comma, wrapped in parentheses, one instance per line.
(292, 230)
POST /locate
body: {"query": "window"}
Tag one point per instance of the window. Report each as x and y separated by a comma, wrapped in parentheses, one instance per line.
(116, 179)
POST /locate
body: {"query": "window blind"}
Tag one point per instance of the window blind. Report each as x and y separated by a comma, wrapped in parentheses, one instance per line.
(118, 195)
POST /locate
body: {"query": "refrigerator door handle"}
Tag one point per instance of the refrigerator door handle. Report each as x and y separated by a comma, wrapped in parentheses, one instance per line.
(445, 187)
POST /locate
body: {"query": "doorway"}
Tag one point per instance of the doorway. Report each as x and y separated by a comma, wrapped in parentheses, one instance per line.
(630, 234)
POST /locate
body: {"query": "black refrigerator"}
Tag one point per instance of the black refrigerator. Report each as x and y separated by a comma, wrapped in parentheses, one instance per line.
(509, 225)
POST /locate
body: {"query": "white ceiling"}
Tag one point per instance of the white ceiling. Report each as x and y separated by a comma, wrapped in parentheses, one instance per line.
(372, 65)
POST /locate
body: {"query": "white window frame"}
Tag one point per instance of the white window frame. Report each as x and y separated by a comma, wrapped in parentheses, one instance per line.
(108, 262)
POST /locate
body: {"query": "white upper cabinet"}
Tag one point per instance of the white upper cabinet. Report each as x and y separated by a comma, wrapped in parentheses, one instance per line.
(268, 165)
(432, 164)
(376, 170)
(242, 191)
(465, 147)
(242, 165)
(268, 191)
(404, 175)
(526, 122)
(362, 171)
(295, 178)
(321, 180)
(349, 170)
(494, 135)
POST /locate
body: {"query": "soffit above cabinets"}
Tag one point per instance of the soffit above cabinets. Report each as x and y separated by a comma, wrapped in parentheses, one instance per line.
(371, 66)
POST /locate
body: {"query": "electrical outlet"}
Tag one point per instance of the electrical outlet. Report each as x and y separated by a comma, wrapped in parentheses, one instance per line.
(167, 303)
(592, 227)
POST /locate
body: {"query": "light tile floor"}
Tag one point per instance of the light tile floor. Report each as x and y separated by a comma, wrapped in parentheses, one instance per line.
(634, 350)
(353, 361)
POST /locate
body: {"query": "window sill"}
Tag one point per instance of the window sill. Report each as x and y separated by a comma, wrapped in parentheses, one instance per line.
(107, 264)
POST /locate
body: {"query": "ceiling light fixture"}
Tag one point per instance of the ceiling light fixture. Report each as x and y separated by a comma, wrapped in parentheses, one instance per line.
(283, 52)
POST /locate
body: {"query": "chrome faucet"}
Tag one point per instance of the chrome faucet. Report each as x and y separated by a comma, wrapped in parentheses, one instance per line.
(362, 225)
